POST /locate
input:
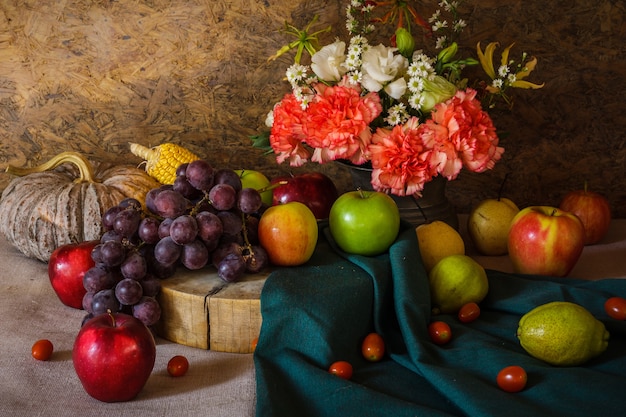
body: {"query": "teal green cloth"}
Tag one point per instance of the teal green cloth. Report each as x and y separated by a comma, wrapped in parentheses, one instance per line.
(318, 313)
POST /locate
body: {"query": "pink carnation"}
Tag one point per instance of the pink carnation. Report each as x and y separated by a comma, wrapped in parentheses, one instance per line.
(461, 134)
(401, 161)
(337, 122)
(286, 135)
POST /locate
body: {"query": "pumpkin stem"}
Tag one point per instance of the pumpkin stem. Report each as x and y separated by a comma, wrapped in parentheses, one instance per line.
(84, 167)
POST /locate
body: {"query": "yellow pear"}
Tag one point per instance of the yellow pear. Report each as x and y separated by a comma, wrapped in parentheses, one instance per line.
(455, 281)
(488, 225)
(562, 333)
(437, 240)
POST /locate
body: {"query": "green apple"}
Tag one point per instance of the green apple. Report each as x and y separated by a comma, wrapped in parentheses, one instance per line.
(288, 233)
(364, 222)
(258, 181)
(455, 281)
(488, 225)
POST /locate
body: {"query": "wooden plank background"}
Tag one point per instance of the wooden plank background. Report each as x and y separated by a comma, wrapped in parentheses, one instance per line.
(91, 76)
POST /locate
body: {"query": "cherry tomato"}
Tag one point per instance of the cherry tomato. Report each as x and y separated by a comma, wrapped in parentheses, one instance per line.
(342, 369)
(253, 343)
(615, 307)
(512, 378)
(469, 312)
(373, 347)
(177, 366)
(42, 350)
(439, 332)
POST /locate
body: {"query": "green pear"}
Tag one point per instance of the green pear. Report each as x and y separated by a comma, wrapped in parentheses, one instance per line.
(455, 281)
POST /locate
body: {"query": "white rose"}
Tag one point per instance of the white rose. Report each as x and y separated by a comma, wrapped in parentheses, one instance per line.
(382, 68)
(327, 63)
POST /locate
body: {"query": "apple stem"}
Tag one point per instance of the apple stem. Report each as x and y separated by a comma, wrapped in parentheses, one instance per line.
(553, 212)
(111, 315)
(502, 186)
(272, 186)
(360, 190)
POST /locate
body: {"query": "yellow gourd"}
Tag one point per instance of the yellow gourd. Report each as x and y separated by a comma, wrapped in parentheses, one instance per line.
(162, 161)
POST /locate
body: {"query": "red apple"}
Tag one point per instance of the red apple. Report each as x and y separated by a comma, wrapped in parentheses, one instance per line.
(66, 267)
(288, 233)
(113, 356)
(593, 210)
(314, 189)
(545, 240)
(364, 222)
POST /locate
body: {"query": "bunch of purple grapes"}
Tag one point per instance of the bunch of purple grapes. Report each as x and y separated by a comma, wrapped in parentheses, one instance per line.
(206, 217)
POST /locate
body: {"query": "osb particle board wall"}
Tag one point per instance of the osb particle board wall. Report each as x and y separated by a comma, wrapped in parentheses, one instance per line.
(93, 75)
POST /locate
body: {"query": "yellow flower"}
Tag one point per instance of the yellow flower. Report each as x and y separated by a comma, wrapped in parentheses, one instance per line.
(486, 61)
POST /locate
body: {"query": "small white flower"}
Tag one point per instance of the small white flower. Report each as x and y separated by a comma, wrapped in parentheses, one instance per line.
(512, 78)
(416, 84)
(355, 77)
(497, 83)
(416, 101)
(434, 17)
(441, 42)
(440, 24)
(459, 25)
(503, 70)
(296, 73)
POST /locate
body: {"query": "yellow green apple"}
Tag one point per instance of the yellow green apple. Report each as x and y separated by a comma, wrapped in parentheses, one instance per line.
(258, 181)
(288, 233)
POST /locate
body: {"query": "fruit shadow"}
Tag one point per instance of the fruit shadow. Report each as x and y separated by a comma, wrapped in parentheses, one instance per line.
(204, 371)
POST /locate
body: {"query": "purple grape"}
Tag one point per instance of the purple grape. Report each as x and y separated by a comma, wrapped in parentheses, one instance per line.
(126, 222)
(181, 171)
(184, 229)
(231, 222)
(104, 301)
(151, 195)
(231, 268)
(111, 235)
(256, 259)
(170, 204)
(147, 310)
(228, 176)
(87, 300)
(252, 229)
(200, 174)
(249, 200)
(134, 266)
(195, 255)
(210, 226)
(151, 286)
(149, 230)
(96, 254)
(128, 291)
(224, 249)
(223, 197)
(183, 186)
(108, 218)
(96, 279)
(164, 228)
(167, 251)
(112, 253)
(130, 202)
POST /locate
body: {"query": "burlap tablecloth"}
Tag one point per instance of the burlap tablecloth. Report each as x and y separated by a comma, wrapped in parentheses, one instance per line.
(217, 384)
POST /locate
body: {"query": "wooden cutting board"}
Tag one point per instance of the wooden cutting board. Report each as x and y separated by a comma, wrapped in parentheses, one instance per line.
(200, 310)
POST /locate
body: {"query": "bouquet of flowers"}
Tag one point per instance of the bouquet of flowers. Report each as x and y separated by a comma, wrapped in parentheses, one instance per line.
(411, 116)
